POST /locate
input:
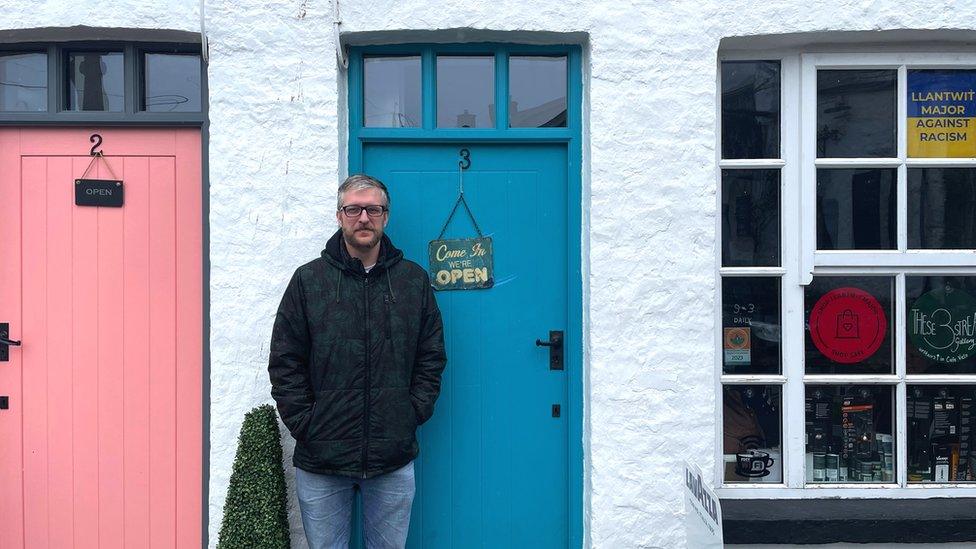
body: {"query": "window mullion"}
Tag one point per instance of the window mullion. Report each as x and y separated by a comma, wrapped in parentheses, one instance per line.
(901, 435)
(857, 162)
(901, 401)
(794, 423)
(54, 68)
(428, 94)
(807, 93)
(902, 185)
(502, 87)
(129, 74)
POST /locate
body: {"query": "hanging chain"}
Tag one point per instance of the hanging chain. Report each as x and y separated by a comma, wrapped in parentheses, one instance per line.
(95, 157)
(460, 199)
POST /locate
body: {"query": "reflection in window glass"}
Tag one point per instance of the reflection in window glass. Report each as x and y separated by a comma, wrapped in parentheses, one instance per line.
(856, 209)
(23, 82)
(172, 83)
(940, 324)
(941, 202)
(751, 433)
(391, 92)
(750, 218)
(849, 435)
(750, 109)
(849, 325)
(856, 113)
(465, 92)
(95, 82)
(751, 325)
(940, 433)
(537, 90)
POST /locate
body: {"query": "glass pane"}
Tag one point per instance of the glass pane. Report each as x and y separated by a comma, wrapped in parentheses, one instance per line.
(940, 433)
(465, 92)
(750, 218)
(95, 82)
(856, 209)
(751, 325)
(941, 202)
(391, 92)
(752, 445)
(849, 325)
(750, 109)
(849, 432)
(856, 113)
(23, 82)
(941, 107)
(941, 324)
(537, 92)
(172, 83)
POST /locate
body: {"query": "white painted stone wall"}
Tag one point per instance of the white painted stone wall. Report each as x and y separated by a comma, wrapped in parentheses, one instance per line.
(276, 146)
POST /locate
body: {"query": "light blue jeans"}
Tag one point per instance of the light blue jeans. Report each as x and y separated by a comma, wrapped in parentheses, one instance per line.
(326, 503)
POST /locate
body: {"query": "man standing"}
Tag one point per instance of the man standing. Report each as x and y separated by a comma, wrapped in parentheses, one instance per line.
(357, 354)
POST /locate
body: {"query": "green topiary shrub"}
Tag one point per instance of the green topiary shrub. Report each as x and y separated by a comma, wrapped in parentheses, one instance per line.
(256, 510)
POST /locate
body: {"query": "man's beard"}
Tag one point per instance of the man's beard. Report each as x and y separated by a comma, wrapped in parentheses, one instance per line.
(350, 239)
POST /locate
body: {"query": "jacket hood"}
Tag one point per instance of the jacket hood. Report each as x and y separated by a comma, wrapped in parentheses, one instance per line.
(335, 253)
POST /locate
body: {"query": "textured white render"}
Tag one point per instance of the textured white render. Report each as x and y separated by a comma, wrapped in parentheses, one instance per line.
(276, 155)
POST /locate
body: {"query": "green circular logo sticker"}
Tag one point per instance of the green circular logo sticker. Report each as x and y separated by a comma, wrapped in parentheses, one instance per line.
(942, 325)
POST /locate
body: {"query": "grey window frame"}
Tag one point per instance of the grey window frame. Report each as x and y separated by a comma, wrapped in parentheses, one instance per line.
(133, 85)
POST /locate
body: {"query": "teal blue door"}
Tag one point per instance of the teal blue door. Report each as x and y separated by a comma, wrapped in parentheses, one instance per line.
(494, 462)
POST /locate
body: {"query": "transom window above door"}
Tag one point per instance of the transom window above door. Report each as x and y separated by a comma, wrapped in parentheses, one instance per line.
(459, 89)
(79, 82)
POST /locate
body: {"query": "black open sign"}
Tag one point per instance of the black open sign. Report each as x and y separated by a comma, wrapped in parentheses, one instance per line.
(98, 192)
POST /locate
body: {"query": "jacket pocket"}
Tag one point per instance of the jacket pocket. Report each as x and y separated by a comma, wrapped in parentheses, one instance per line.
(391, 414)
(338, 415)
(311, 418)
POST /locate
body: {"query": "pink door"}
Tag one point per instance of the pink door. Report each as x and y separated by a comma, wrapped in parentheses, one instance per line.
(101, 445)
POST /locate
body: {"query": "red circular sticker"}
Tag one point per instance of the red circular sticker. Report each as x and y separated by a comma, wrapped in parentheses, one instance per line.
(848, 325)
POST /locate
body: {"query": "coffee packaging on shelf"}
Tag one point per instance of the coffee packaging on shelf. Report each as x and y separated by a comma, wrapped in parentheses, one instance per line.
(831, 467)
(819, 467)
(942, 459)
(857, 420)
(920, 449)
(945, 419)
(963, 472)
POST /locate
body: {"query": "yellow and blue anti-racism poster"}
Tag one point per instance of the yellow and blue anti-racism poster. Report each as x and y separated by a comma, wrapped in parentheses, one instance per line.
(942, 113)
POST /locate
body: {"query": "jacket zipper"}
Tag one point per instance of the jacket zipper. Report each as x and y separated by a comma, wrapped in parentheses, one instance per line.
(366, 395)
(386, 302)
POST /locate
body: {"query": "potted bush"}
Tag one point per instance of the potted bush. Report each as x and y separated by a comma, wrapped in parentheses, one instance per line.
(256, 511)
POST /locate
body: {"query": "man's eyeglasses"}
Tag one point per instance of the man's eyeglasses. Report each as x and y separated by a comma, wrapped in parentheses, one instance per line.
(356, 211)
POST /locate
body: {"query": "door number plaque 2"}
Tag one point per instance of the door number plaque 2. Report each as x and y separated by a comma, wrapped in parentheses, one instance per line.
(98, 192)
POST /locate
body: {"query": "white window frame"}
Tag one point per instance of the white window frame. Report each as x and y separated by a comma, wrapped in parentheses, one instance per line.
(800, 262)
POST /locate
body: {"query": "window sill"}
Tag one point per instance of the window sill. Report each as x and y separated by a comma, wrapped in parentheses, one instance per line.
(796, 521)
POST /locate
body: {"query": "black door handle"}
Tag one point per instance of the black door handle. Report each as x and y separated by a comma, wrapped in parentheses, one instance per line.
(5, 342)
(555, 345)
